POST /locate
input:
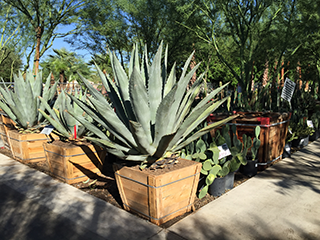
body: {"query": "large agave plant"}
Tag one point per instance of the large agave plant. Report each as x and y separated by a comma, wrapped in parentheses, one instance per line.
(22, 104)
(65, 126)
(150, 113)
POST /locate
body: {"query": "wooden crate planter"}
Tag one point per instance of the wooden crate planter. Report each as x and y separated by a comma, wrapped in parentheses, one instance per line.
(74, 163)
(159, 197)
(27, 147)
(274, 127)
(6, 124)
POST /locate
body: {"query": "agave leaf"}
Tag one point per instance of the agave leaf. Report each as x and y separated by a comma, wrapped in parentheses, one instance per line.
(116, 101)
(164, 117)
(122, 79)
(186, 66)
(6, 95)
(188, 100)
(181, 88)
(94, 92)
(57, 125)
(36, 85)
(209, 97)
(18, 110)
(154, 84)
(8, 111)
(200, 133)
(163, 145)
(193, 120)
(164, 69)
(113, 123)
(171, 81)
(102, 77)
(141, 139)
(139, 101)
(145, 65)
(51, 111)
(21, 96)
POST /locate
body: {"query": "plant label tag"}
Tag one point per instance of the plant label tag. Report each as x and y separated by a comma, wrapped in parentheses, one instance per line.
(224, 151)
(310, 123)
(289, 130)
(288, 90)
(47, 129)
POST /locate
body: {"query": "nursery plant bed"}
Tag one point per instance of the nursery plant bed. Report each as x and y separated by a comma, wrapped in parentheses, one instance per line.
(27, 147)
(74, 162)
(161, 194)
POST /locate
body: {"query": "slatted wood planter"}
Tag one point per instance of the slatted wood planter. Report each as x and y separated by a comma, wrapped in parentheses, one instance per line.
(274, 127)
(158, 197)
(74, 163)
(6, 124)
(27, 147)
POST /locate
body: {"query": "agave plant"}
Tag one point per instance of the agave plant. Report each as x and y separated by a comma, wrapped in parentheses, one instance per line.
(65, 125)
(150, 114)
(22, 104)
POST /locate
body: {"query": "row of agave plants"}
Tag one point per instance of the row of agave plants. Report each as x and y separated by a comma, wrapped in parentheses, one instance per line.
(148, 122)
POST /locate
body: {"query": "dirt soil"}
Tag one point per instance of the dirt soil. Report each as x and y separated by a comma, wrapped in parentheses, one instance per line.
(105, 188)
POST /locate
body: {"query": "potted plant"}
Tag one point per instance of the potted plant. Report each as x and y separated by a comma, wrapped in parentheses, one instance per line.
(71, 159)
(21, 105)
(290, 137)
(315, 125)
(251, 166)
(300, 128)
(149, 119)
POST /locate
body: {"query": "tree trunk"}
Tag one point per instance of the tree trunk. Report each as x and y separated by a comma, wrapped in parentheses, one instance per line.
(37, 55)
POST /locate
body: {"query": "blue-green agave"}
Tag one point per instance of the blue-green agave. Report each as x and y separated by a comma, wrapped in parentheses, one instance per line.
(22, 103)
(65, 126)
(151, 113)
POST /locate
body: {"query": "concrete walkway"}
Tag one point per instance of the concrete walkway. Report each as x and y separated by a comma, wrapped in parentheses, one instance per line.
(282, 202)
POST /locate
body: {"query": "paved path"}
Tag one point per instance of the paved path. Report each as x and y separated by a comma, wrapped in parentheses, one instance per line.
(283, 202)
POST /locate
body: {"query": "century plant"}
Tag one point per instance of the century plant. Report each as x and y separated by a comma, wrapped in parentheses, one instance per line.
(65, 126)
(22, 103)
(151, 114)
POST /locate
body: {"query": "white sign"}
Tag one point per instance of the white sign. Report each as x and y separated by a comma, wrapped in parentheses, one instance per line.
(310, 124)
(224, 151)
(47, 129)
(288, 90)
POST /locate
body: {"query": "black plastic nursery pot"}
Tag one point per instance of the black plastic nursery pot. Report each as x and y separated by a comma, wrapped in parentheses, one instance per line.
(300, 142)
(229, 180)
(287, 150)
(314, 136)
(250, 169)
(218, 187)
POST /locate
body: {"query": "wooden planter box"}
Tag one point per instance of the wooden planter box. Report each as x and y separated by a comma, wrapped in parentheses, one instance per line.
(6, 124)
(274, 127)
(74, 163)
(159, 197)
(27, 147)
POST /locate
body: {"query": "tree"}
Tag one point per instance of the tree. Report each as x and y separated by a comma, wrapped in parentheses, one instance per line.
(44, 18)
(9, 34)
(11, 64)
(65, 64)
(118, 24)
(251, 26)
